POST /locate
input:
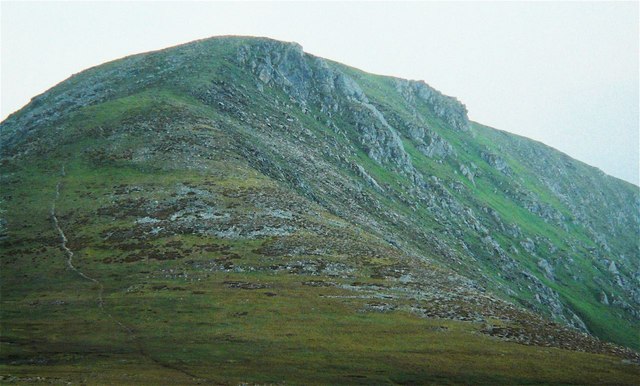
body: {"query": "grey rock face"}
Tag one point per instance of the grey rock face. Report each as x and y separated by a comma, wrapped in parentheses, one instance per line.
(300, 75)
(613, 268)
(467, 172)
(381, 142)
(430, 143)
(447, 108)
(535, 205)
(496, 162)
(370, 180)
(550, 299)
(546, 268)
(528, 245)
(306, 78)
(279, 63)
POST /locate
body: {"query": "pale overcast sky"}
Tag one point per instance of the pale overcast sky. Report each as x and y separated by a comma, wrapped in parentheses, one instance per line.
(563, 73)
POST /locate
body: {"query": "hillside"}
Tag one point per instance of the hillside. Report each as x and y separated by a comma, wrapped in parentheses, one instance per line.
(236, 210)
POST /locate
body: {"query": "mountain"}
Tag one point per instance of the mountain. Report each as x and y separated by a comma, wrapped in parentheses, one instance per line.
(235, 210)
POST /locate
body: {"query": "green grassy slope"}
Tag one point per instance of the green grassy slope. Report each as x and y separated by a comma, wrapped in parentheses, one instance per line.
(533, 165)
(233, 238)
(192, 324)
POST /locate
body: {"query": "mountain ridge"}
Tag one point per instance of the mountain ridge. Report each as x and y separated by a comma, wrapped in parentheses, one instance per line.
(334, 62)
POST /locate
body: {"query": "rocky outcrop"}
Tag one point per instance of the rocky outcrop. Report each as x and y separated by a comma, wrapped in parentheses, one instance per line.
(546, 268)
(467, 172)
(447, 108)
(429, 142)
(380, 141)
(496, 162)
(362, 172)
(310, 80)
(307, 79)
(613, 268)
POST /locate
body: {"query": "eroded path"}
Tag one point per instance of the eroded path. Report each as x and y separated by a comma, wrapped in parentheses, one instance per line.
(128, 330)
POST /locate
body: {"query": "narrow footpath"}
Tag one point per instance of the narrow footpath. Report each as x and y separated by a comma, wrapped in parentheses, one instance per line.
(128, 330)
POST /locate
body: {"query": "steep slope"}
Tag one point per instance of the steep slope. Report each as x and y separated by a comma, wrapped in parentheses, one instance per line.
(234, 205)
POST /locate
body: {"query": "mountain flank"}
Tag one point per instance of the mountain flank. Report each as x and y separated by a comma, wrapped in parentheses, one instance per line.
(236, 210)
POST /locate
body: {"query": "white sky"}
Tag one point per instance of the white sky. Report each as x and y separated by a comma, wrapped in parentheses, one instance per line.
(562, 73)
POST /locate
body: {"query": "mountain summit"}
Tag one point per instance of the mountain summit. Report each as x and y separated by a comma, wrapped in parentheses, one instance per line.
(236, 210)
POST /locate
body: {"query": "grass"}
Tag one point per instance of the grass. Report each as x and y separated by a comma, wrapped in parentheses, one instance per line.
(198, 327)
(488, 191)
(187, 321)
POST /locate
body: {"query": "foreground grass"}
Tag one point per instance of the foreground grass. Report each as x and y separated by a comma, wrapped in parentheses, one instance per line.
(286, 332)
(162, 324)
